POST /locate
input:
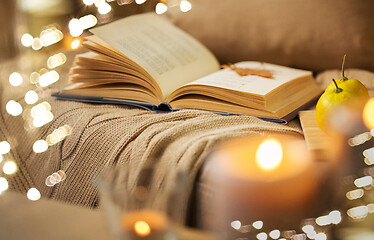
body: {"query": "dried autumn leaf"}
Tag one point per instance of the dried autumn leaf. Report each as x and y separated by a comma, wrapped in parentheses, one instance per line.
(249, 71)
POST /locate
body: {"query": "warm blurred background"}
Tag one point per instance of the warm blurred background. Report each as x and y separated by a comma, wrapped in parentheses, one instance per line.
(50, 25)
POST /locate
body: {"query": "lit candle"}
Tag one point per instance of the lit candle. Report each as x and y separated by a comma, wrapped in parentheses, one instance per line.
(144, 224)
(262, 178)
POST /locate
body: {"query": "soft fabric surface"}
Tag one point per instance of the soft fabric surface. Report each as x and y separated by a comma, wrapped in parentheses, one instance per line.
(112, 135)
(107, 135)
(309, 34)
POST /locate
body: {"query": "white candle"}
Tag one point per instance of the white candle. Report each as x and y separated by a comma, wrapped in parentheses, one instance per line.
(263, 178)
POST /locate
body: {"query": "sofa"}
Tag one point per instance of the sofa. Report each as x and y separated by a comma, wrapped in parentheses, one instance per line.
(312, 35)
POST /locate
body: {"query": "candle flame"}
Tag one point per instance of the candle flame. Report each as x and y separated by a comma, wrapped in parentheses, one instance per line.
(269, 154)
(142, 228)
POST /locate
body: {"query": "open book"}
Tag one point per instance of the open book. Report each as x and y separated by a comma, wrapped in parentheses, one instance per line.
(147, 61)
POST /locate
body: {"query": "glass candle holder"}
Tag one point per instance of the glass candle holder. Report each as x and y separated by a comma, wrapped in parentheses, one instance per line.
(130, 210)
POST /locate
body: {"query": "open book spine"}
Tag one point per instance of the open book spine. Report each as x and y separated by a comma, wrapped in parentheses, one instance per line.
(160, 108)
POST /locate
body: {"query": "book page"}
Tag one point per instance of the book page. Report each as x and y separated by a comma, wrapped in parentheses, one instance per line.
(171, 56)
(229, 79)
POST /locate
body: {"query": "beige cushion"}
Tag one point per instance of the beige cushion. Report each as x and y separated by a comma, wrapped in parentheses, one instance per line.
(309, 34)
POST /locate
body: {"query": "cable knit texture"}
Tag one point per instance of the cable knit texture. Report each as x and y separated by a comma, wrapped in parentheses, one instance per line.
(115, 135)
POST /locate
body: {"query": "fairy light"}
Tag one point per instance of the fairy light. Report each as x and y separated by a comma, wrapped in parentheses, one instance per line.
(363, 181)
(262, 236)
(33, 194)
(75, 27)
(275, 234)
(289, 233)
(10, 167)
(36, 44)
(56, 60)
(185, 6)
(50, 36)
(122, 2)
(301, 236)
(41, 114)
(31, 97)
(140, 1)
(87, 21)
(13, 108)
(258, 224)
(104, 8)
(55, 178)
(4, 147)
(358, 213)
(27, 40)
(320, 236)
(236, 224)
(369, 153)
(308, 228)
(75, 44)
(98, 3)
(88, 2)
(369, 161)
(34, 77)
(3, 185)
(359, 139)
(323, 220)
(48, 78)
(161, 8)
(355, 194)
(311, 235)
(40, 146)
(58, 135)
(335, 217)
(15, 79)
(370, 208)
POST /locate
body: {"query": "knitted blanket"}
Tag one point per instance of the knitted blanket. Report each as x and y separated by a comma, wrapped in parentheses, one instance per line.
(115, 135)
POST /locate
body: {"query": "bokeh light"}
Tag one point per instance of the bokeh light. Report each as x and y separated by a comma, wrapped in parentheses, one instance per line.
(3, 184)
(4, 147)
(262, 236)
(13, 108)
(275, 234)
(236, 224)
(88, 2)
(75, 44)
(34, 77)
(31, 97)
(75, 27)
(48, 78)
(15, 79)
(104, 8)
(140, 1)
(161, 8)
(10, 167)
(258, 224)
(88, 21)
(37, 44)
(185, 6)
(27, 40)
(40, 146)
(33, 194)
